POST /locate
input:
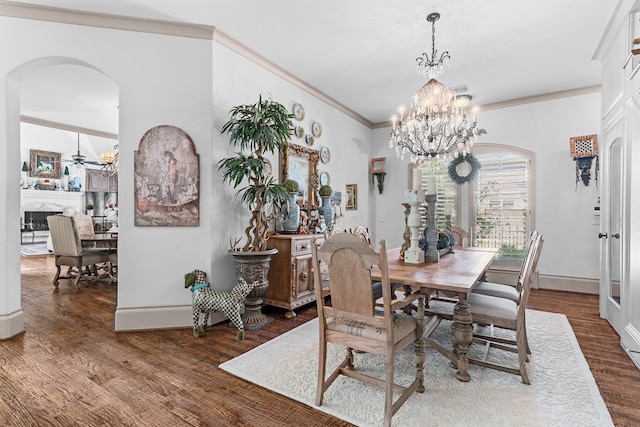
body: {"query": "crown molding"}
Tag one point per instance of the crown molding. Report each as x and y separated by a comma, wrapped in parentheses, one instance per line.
(68, 16)
(63, 126)
(103, 20)
(223, 39)
(522, 101)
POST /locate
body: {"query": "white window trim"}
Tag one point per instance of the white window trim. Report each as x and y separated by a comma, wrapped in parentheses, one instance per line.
(531, 192)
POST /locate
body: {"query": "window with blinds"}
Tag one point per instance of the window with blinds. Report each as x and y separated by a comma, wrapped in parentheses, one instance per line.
(501, 203)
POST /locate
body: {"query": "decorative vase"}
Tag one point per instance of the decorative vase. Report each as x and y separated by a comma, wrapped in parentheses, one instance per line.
(290, 215)
(326, 210)
(113, 220)
(252, 267)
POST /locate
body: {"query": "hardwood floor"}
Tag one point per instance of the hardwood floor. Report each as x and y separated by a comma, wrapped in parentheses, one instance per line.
(70, 368)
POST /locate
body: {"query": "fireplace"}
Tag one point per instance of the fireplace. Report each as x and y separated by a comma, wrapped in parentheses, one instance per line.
(37, 205)
(38, 219)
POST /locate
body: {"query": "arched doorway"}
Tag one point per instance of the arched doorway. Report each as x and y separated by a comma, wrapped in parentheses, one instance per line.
(66, 97)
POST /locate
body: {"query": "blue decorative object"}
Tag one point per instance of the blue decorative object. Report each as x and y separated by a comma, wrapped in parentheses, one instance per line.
(326, 210)
(290, 212)
(75, 184)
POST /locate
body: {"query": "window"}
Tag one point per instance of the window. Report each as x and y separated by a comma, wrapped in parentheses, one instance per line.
(445, 189)
(501, 199)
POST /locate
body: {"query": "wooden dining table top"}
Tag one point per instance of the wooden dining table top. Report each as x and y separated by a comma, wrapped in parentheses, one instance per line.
(100, 237)
(455, 272)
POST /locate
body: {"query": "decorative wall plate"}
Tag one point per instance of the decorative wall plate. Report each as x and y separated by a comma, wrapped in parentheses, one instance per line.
(299, 131)
(325, 179)
(325, 155)
(316, 129)
(298, 111)
(310, 140)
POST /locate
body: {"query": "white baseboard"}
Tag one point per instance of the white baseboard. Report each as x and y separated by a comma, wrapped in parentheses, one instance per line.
(546, 281)
(631, 338)
(148, 318)
(11, 324)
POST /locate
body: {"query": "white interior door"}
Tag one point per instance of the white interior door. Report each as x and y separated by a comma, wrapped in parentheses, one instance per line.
(612, 234)
(611, 291)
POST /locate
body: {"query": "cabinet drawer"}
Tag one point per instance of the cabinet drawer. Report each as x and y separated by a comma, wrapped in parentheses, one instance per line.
(301, 247)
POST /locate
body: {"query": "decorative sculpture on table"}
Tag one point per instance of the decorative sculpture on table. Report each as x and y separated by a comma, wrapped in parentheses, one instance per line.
(206, 300)
(583, 150)
(413, 254)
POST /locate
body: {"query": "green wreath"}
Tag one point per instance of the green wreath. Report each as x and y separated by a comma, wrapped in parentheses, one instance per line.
(473, 163)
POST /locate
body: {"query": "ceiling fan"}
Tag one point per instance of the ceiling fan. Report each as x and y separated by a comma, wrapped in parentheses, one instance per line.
(80, 160)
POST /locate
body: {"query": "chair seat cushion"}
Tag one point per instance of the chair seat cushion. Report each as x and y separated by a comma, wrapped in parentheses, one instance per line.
(403, 325)
(497, 290)
(88, 258)
(492, 306)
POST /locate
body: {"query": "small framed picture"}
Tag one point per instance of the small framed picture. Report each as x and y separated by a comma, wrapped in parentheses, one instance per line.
(352, 197)
(44, 164)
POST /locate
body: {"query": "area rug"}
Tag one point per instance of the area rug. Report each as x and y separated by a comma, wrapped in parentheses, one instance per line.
(34, 249)
(562, 391)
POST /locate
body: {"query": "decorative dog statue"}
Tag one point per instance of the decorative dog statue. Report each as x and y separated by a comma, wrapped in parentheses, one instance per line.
(206, 300)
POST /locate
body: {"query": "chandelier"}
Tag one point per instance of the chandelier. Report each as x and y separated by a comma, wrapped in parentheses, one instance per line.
(437, 125)
(109, 161)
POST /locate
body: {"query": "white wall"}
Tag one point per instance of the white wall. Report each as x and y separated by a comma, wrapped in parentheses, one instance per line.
(563, 214)
(184, 82)
(162, 80)
(240, 81)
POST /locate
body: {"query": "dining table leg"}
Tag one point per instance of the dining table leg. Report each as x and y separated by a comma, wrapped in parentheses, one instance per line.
(462, 335)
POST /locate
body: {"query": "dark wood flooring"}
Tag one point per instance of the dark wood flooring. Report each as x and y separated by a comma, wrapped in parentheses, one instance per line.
(71, 368)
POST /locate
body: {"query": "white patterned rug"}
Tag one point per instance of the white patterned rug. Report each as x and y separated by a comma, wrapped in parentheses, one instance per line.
(562, 391)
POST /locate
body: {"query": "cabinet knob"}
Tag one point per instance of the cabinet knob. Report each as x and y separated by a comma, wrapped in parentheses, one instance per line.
(617, 235)
(303, 275)
(600, 235)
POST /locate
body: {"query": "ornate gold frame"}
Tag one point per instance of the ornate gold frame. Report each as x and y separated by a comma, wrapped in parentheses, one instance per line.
(44, 164)
(297, 157)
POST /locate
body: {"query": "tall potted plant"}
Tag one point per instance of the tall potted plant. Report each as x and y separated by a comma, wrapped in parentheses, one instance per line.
(255, 130)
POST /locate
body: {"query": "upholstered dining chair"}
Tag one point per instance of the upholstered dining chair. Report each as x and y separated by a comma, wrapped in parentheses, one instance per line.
(352, 321)
(505, 290)
(84, 225)
(502, 313)
(68, 250)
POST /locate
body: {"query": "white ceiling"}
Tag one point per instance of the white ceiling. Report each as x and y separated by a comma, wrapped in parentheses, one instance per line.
(362, 53)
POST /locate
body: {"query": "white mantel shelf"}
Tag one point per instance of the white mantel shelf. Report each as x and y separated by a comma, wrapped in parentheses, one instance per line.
(43, 200)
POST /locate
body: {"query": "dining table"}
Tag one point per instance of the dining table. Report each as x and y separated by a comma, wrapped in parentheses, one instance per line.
(455, 275)
(105, 240)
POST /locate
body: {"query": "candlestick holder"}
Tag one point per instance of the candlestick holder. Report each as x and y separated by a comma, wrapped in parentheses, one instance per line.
(432, 254)
(447, 229)
(414, 255)
(406, 236)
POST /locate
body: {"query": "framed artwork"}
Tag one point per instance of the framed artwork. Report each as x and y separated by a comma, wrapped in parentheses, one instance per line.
(301, 164)
(44, 164)
(167, 179)
(351, 203)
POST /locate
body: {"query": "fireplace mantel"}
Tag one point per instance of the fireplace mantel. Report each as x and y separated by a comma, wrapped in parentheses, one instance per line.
(51, 201)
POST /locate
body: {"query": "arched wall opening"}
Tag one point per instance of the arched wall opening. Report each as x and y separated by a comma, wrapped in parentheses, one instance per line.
(11, 315)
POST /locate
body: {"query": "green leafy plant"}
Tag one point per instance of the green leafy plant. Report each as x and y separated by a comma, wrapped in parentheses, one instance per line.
(291, 186)
(256, 129)
(89, 207)
(325, 190)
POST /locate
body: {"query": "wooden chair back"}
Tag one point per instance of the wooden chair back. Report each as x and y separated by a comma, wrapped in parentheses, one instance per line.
(363, 233)
(461, 235)
(64, 236)
(348, 261)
